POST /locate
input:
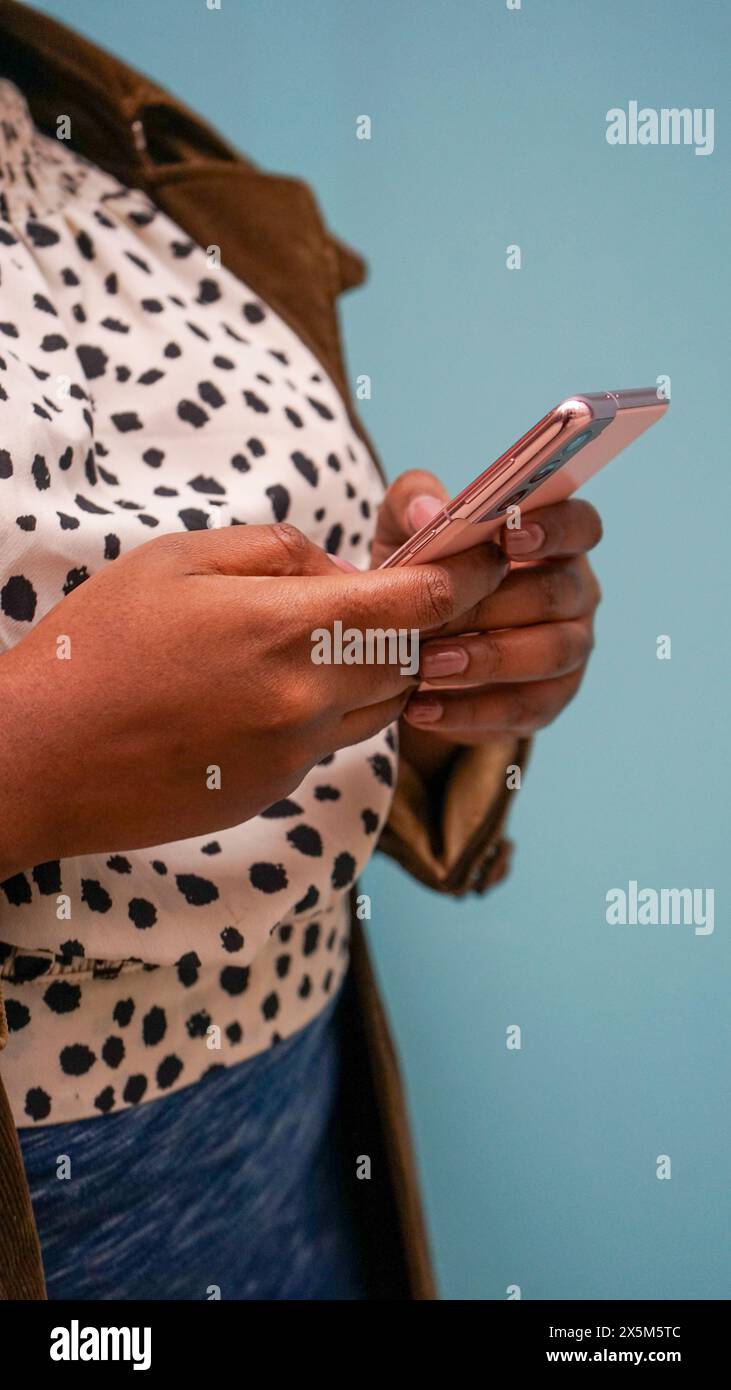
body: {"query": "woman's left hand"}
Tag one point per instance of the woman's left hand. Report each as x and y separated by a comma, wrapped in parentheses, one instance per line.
(519, 656)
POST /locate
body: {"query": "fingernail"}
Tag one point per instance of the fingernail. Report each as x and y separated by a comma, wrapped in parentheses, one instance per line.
(421, 510)
(343, 564)
(424, 710)
(528, 538)
(444, 661)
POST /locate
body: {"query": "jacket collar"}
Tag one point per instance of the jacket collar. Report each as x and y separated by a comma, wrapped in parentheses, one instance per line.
(110, 105)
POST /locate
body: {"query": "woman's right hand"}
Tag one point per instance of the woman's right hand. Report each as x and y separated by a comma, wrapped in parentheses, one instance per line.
(191, 653)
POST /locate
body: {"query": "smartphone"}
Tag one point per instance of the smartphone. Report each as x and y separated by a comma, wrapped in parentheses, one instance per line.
(548, 464)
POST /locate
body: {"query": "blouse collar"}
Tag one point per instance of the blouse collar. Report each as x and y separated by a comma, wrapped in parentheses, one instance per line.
(35, 178)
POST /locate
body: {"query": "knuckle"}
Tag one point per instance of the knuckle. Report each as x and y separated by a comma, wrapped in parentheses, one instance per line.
(552, 590)
(434, 596)
(291, 543)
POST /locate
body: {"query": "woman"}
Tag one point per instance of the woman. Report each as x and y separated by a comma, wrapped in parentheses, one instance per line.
(185, 497)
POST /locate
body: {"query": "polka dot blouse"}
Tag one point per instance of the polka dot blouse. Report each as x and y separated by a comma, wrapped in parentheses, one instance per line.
(145, 390)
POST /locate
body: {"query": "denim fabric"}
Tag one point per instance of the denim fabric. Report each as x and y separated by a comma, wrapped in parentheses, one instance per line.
(233, 1182)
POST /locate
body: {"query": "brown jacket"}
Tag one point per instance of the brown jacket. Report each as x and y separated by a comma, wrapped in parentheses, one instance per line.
(271, 234)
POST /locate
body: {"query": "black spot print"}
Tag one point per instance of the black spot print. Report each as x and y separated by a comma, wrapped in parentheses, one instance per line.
(168, 1072)
(280, 809)
(17, 890)
(193, 414)
(310, 900)
(17, 1014)
(96, 898)
(256, 403)
(327, 793)
(47, 877)
(104, 1102)
(193, 519)
(253, 313)
(280, 499)
(196, 890)
(208, 292)
(159, 867)
(305, 988)
(111, 547)
(154, 1027)
(334, 539)
(234, 1033)
(268, 878)
(53, 342)
(66, 459)
(37, 1103)
(126, 421)
(370, 821)
(322, 410)
(382, 769)
(6, 464)
(343, 870)
(282, 965)
(41, 235)
(77, 1059)
(188, 967)
(234, 979)
(67, 523)
(240, 463)
(135, 1089)
(256, 448)
(142, 913)
(113, 1051)
(85, 245)
(201, 484)
(231, 939)
(311, 938)
(62, 997)
(119, 864)
(27, 968)
(270, 1006)
(306, 467)
(211, 395)
(74, 578)
(123, 1011)
(41, 475)
(306, 839)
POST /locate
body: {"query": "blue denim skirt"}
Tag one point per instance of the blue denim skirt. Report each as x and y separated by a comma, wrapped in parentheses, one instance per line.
(231, 1188)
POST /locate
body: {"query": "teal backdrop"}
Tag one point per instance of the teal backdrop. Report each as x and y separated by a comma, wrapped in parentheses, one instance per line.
(488, 130)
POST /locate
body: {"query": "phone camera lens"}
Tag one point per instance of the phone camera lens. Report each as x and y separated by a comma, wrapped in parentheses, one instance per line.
(578, 442)
(546, 469)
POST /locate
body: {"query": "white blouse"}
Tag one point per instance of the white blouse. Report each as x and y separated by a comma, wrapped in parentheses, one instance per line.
(142, 391)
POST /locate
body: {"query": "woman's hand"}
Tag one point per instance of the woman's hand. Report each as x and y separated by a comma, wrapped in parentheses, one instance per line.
(512, 663)
(194, 653)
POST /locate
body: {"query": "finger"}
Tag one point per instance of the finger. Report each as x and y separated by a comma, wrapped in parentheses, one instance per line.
(361, 724)
(423, 597)
(567, 528)
(515, 709)
(279, 549)
(543, 652)
(555, 591)
(409, 503)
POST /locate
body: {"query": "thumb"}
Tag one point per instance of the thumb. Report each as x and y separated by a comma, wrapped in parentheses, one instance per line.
(410, 502)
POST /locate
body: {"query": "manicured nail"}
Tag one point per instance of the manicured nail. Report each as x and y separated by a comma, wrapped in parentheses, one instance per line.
(421, 510)
(528, 538)
(443, 661)
(343, 564)
(424, 710)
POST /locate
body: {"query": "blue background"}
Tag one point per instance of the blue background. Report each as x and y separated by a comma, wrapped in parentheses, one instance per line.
(488, 130)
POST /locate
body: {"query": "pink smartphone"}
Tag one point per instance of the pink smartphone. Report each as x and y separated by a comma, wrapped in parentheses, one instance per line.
(549, 463)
